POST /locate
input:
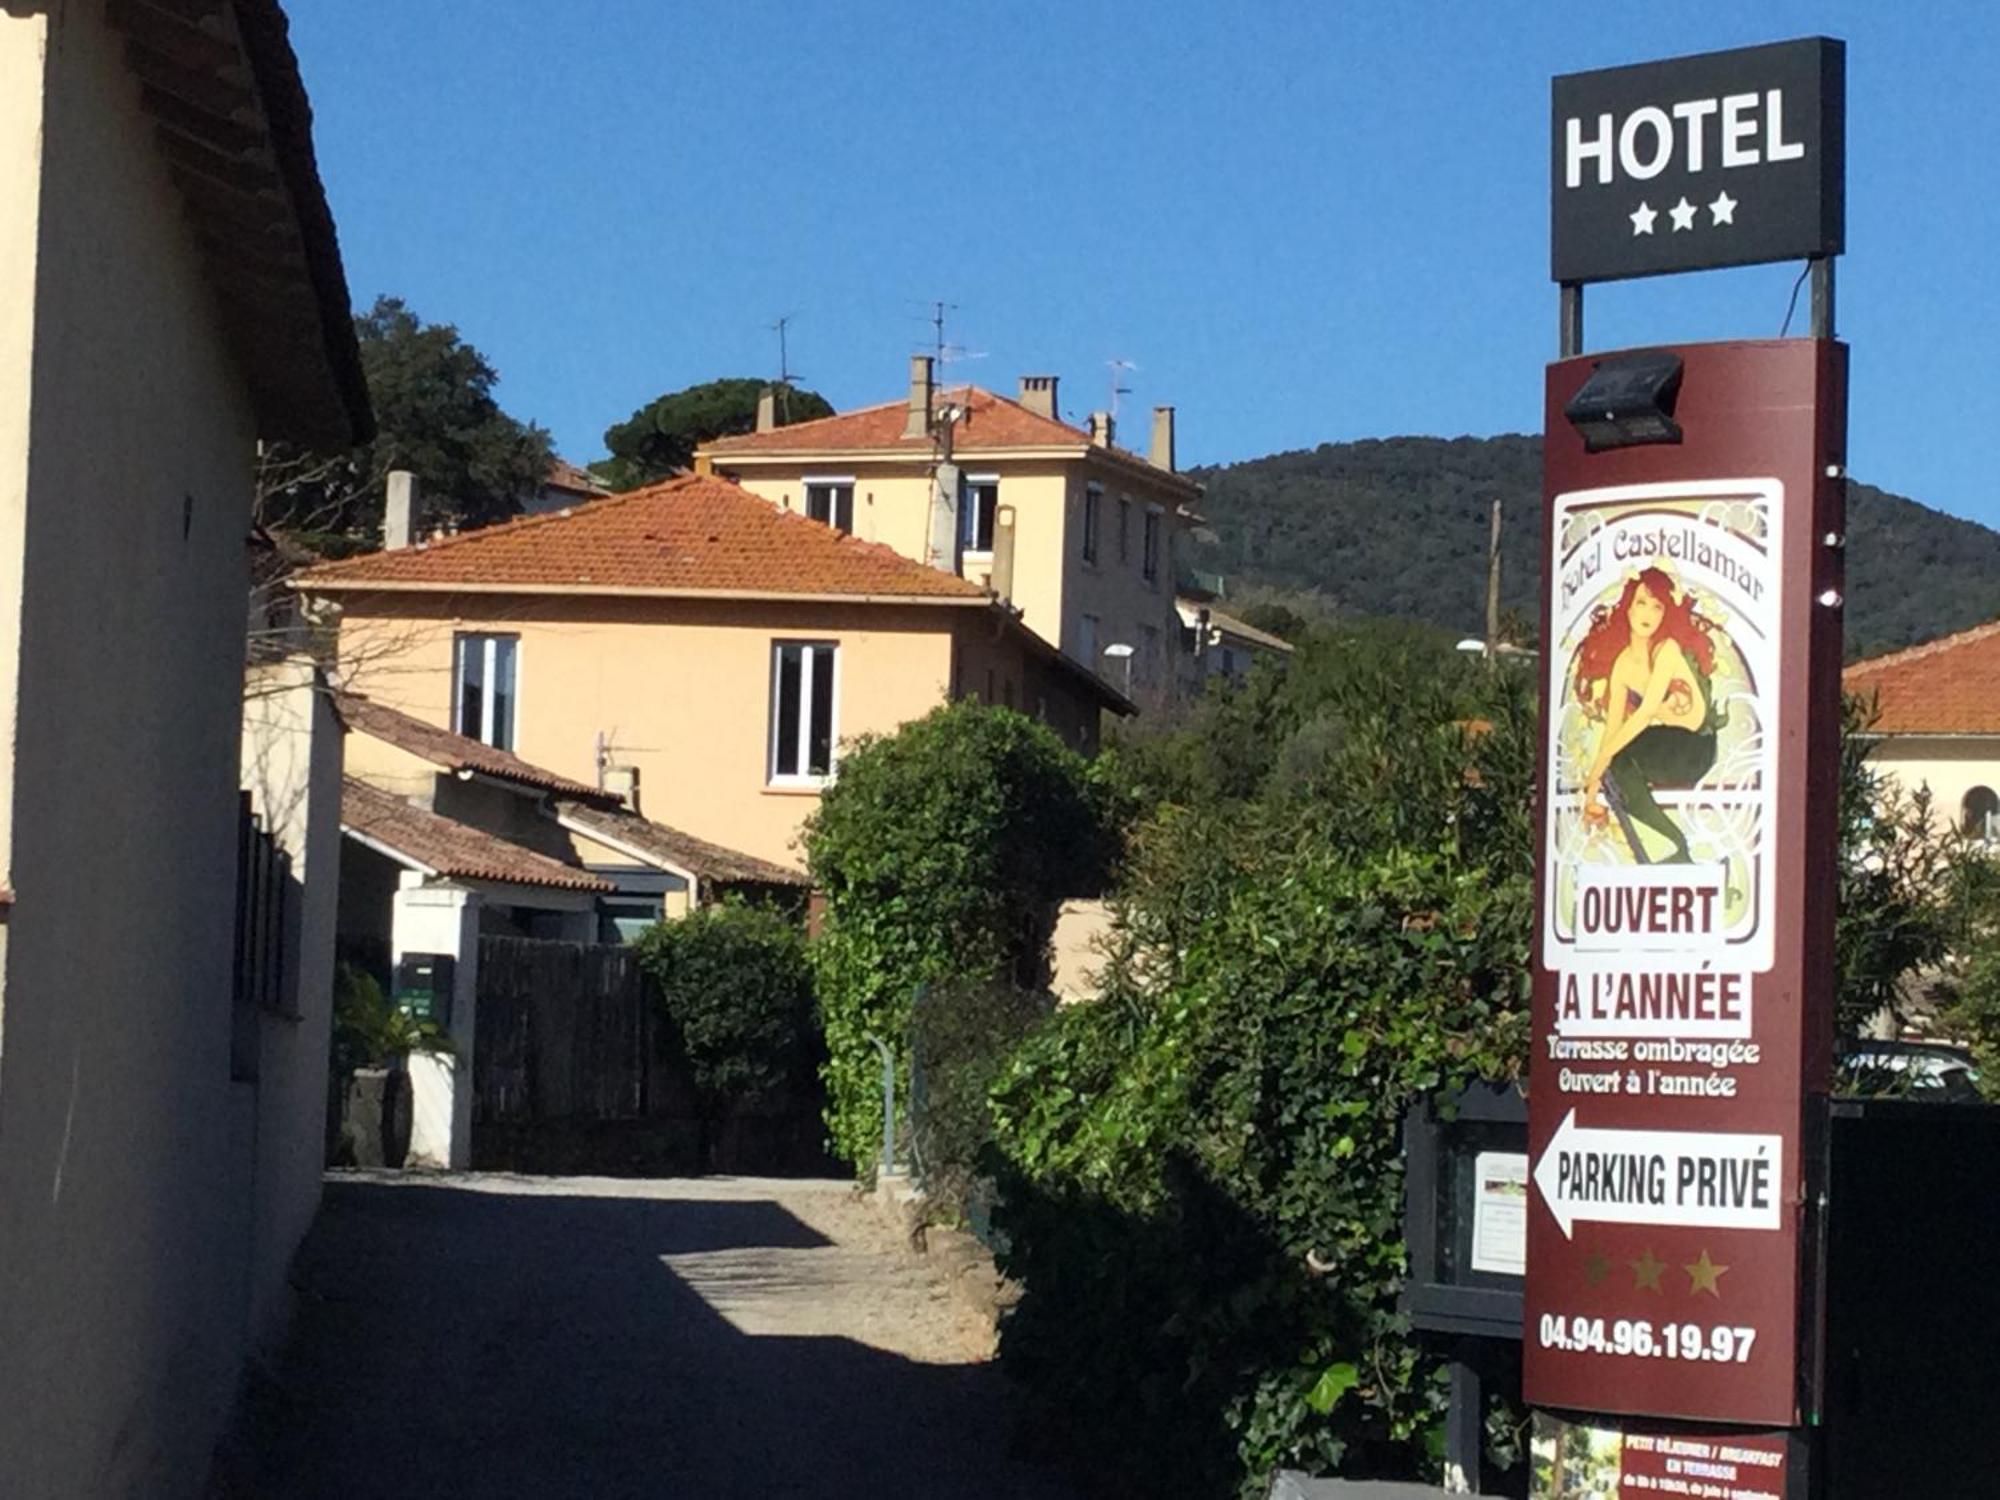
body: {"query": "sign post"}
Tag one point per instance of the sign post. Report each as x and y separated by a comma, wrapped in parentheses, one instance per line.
(1693, 542)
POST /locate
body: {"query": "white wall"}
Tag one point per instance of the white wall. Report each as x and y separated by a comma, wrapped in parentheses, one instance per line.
(292, 744)
(442, 919)
(1950, 765)
(125, 1149)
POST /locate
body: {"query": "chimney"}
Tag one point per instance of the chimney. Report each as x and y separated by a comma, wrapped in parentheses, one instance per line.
(1001, 578)
(767, 409)
(1038, 394)
(399, 510)
(1100, 429)
(1163, 438)
(918, 423)
(622, 782)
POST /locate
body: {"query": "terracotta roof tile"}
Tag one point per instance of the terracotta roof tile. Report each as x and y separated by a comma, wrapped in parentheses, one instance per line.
(564, 475)
(990, 422)
(450, 848)
(1947, 686)
(656, 841)
(455, 752)
(696, 534)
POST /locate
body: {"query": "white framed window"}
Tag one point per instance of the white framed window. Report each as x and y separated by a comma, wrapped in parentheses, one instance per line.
(1086, 641)
(978, 504)
(484, 670)
(804, 712)
(1093, 499)
(1149, 561)
(830, 501)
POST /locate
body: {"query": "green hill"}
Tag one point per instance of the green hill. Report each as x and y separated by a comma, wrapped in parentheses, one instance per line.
(1397, 527)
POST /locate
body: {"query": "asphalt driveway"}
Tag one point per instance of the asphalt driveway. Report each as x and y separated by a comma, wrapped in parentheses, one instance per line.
(478, 1335)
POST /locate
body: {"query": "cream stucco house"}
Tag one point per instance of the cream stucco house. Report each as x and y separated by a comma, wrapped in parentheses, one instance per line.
(1079, 533)
(700, 650)
(170, 293)
(1937, 723)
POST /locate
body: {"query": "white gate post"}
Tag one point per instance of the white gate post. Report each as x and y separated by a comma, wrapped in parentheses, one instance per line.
(442, 919)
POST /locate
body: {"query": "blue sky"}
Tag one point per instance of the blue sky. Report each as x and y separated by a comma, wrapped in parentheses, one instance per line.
(1302, 223)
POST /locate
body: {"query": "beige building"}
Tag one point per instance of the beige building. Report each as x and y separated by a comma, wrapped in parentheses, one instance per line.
(691, 645)
(1220, 645)
(1079, 533)
(1937, 723)
(170, 293)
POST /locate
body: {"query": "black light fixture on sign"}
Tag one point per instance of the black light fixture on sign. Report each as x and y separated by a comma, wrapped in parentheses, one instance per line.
(1628, 400)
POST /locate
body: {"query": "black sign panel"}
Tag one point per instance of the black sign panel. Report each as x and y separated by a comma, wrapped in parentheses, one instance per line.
(1724, 159)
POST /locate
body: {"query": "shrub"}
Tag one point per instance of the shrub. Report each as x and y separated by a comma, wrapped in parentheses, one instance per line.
(735, 987)
(942, 852)
(961, 1034)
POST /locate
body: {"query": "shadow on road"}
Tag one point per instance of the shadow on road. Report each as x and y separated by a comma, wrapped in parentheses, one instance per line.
(452, 1342)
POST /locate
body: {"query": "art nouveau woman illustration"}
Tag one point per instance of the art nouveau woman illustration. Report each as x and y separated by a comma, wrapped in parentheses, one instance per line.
(1644, 670)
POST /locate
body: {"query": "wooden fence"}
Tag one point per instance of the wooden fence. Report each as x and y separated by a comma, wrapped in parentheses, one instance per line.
(573, 1071)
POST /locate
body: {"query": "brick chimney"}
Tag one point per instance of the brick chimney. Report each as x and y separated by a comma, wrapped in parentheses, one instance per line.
(1100, 429)
(1038, 394)
(918, 423)
(767, 410)
(1163, 438)
(399, 510)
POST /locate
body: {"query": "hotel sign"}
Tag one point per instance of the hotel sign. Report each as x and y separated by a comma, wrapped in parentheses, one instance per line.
(1724, 159)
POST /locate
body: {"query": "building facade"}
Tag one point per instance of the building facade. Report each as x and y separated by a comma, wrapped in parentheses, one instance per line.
(1080, 534)
(692, 643)
(1935, 724)
(145, 348)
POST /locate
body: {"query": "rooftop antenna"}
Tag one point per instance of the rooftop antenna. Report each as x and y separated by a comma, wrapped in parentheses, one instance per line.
(1118, 386)
(943, 351)
(786, 374)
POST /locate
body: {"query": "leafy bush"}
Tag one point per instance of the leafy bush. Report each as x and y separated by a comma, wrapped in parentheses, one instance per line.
(736, 990)
(370, 1031)
(1201, 1174)
(942, 851)
(961, 1035)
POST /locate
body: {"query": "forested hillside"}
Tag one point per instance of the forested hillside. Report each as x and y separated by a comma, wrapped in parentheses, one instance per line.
(1397, 527)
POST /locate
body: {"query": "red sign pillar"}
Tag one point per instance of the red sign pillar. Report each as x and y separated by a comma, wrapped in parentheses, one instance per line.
(1684, 975)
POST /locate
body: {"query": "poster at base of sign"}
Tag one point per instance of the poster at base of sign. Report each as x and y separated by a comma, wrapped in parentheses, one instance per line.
(1663, 735)
(1577, 1461)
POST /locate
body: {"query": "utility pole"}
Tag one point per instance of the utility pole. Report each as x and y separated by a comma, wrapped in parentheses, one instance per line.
(1493, 587)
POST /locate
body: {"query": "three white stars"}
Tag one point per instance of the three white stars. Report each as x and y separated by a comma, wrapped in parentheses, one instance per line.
(1721, 211)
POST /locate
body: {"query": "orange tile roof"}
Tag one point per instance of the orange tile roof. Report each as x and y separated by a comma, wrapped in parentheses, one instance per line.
(564, 475)
(658, 843)
(1947, 686)
(990, 421)
(455, 752)
(697, 534)
(448, 847)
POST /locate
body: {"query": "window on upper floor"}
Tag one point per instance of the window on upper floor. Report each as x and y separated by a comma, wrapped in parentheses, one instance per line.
(1149, 563)
(483, 674)
(1124, 529)
(1086, 641)
(977, 505)
(831, 502)
(803, 680)
(1149, 655)
(1979, 815)
(1093, 499)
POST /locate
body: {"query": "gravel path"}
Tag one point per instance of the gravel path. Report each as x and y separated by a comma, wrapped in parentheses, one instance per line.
(480, 1335)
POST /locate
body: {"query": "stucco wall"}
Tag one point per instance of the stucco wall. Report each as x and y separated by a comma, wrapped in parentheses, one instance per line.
(124, 1147)
(682, 688)
(1053, 586)
(1949, 765)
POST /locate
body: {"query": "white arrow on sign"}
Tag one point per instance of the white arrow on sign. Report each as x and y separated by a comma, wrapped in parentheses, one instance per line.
(1703, 1179)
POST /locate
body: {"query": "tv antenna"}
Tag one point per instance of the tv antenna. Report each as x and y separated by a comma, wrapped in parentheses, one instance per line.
(943, 351)
(787, 376)
(1118, 386)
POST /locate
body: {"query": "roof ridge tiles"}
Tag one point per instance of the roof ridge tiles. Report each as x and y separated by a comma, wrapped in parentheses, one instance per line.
(1933, 647)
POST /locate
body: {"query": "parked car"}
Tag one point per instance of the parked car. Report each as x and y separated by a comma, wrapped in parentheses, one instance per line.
(1916, 1070)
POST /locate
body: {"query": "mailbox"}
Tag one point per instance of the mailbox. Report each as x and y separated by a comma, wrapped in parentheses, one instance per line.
(422, 988)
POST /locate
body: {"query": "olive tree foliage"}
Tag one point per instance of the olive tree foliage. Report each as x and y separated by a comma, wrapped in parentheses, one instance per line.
(942, 852)
(659, 438)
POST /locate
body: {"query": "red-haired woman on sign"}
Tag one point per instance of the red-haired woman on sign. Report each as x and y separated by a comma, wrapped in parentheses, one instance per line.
(1644, 668)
